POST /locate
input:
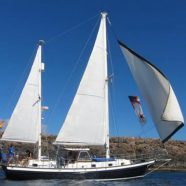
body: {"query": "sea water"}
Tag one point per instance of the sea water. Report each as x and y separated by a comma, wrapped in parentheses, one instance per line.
(154, 179)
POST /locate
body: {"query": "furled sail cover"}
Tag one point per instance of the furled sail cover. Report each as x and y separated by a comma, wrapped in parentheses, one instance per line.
(157, 92)
(84, 123)
(24, 123)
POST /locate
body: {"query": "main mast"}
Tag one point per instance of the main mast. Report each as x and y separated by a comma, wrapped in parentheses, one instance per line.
(41, 68)
(104, 15)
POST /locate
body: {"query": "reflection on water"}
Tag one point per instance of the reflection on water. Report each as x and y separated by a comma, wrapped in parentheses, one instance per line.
(154, 179)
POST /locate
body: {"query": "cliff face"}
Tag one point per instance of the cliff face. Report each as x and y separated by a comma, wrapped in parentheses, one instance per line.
(122, 146)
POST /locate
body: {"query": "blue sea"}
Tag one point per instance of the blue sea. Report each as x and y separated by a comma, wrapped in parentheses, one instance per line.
(154, 179)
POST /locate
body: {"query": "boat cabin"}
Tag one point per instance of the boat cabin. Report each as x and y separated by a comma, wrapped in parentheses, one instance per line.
(77, 154)
(72, 155)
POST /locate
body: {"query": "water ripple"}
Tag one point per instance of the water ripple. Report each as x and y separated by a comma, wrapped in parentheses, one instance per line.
(154, 179)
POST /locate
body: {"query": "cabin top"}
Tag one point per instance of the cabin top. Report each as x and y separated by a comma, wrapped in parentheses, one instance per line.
(77, 149)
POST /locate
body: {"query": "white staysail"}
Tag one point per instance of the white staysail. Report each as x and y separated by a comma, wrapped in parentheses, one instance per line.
(157, 92)
(25, 122)
(85, 123)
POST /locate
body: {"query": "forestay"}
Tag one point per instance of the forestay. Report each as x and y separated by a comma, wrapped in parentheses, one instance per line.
(157, 92)
(85, 121)
(25, 122)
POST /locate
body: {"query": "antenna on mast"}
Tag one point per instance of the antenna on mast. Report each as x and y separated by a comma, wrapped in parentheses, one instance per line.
(104, 14)
(41, 42)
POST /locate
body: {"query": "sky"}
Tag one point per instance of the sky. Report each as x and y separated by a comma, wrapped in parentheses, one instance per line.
(155, 29)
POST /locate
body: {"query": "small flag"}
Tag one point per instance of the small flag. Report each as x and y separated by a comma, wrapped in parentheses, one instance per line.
(44, 108)
(135, 101)
(1, 124)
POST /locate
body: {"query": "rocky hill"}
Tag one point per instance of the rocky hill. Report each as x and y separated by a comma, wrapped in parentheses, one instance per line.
(122, 146)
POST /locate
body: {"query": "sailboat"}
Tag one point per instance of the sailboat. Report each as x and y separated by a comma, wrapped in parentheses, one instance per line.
(87, 121)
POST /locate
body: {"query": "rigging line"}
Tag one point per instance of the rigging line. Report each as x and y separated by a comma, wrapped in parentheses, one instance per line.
(72, 72)
(115, 35)
(113, 115)
(15, 91)
(155, 169)
(71, 29)
(47, 145)
(143, 132)
(114, 110)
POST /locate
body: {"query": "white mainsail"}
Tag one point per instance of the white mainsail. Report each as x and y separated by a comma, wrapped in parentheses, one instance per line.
(85, 123)
(157, 92)
(25, 122)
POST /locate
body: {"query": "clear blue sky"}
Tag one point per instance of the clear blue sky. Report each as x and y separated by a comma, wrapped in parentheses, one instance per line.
(156, 29)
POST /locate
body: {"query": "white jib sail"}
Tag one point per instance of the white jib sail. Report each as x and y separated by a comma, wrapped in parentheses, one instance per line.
(157, 92)
(84, 123)
(24, 124)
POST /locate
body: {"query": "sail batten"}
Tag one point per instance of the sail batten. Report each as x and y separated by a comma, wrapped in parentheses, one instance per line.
(24, 124)
(85, 120)
(157, 92)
